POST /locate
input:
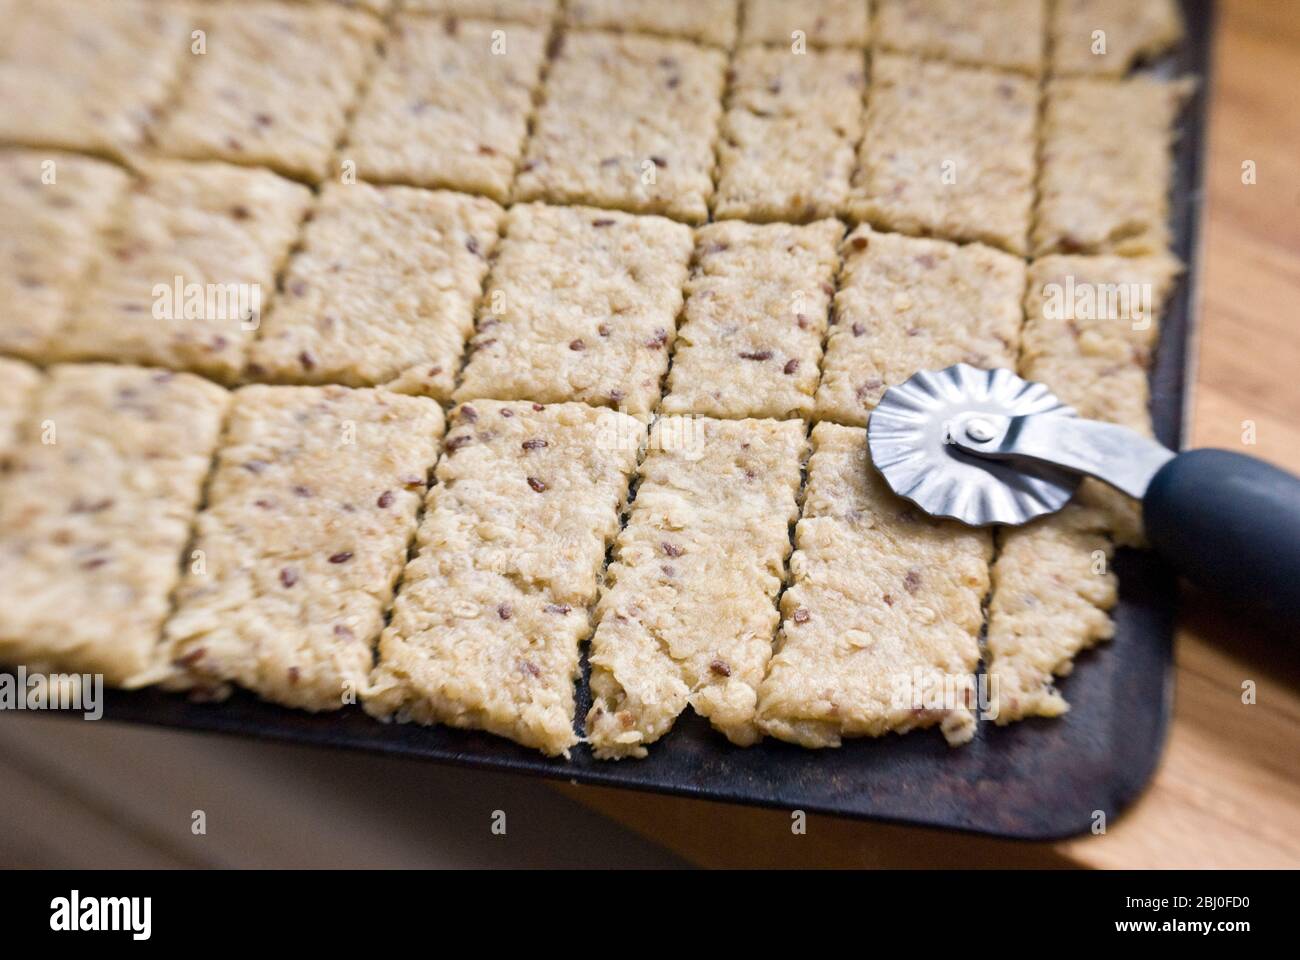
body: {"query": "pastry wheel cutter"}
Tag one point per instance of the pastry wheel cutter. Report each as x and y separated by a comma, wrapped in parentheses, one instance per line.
(987, 447)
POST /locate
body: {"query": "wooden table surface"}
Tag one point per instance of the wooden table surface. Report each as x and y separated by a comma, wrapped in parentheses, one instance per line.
(1228, 790)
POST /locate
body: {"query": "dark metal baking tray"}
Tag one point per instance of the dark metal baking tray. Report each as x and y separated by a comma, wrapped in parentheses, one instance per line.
(1040, 779)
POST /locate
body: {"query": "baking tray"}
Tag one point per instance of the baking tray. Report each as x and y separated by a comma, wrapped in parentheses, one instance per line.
(1039, 779)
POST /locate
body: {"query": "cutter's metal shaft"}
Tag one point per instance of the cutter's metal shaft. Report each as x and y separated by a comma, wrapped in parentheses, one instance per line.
(1113, 454)
(985, 446)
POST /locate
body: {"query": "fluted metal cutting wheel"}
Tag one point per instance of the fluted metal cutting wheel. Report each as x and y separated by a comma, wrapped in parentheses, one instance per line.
(909, 439)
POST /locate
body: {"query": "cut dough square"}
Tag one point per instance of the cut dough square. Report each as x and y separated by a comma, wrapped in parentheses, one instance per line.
(948, 152)
(537, 12)
(274, 87)
(688, 613)
(88, 75)
(822, 23)
(95, 515)
(449, 105)
(1092, 326)
(376, 7)
(486, 629)
(383, 288)
(18, 383)
(185, 272)
(581, 304)
(711, 22)
(1008, 34)
(1107, 37)
(1106, 166)
(309, 517)
(882, 619)
(787, 147)
(750, 344)
(627, 122)
(1052, 588)
(54, 208)
(907, 304)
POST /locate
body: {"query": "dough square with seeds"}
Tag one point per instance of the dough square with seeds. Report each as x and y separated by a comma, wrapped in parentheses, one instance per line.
(88, 75)
(750, 343)
(949, 151)
(1007, 34)
(822, 23)
(383, 289)
(786, 151)
(907, 304)
(537, 12)
(1052, 588)
(1107, 163)
(185, 271)
(486, 628)
(18, 383)
(627, 122)
(1092, 324)
(274, 87)
(54, 208)
(711, 22)
(376, 7)
(688, 613)
(882, 618)
(1107, 37)
(581, 304)
(449, 105)
(95, 514)
(309, 517)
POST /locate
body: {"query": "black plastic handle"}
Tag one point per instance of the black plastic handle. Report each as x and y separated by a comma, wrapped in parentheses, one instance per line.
(1231, 524)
